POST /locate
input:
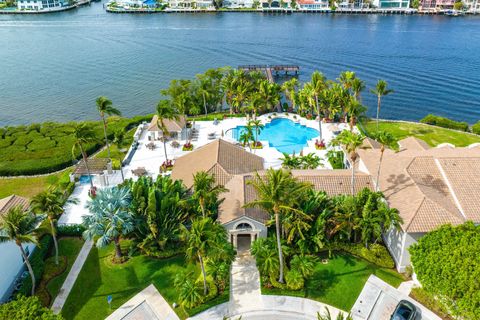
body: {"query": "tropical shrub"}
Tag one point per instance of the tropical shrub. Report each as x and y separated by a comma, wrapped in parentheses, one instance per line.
(294, 279)
(320, 145)
(310, 161)
(26, 308)
(336, 160)
(305, 265)
(187, 146)
(189, 290)
(446, 264)
(476, 128)
(444, 122)
(167, 165)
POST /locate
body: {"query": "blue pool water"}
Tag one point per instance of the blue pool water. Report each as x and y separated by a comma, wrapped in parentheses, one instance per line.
(283, 134)
(84, 179)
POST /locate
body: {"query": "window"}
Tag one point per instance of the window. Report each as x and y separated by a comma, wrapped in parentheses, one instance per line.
(244, 226)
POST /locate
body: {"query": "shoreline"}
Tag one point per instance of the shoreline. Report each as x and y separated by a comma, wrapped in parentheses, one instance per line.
(53, 10)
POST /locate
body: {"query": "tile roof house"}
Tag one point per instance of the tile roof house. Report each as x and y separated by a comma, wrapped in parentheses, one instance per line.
(11, 263)
(176, 128)
(429, 187)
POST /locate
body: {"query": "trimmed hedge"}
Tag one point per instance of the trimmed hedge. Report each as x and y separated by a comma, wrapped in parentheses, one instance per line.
(47, 147)
(74, 230)
(476, 128)
(444, 122)
(26, 308)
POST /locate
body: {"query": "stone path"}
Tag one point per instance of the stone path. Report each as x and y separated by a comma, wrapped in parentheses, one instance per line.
(245, 293)
(247, 302)
(71, 278)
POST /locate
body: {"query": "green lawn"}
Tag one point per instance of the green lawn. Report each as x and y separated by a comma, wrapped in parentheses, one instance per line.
(430, 134)
(68, 247)
(30, 186)
(340, 282)
(100, 278)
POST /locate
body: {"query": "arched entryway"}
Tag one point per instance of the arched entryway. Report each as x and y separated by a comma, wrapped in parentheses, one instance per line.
(243, 235)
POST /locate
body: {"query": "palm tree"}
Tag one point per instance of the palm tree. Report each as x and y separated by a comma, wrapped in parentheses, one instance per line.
(386, 139)
(50, 202)
(165, 111)
(370, 222)
(277, 192)
(203, 237)
(290, 88)
(380, 91)
(265, 256)
(205, 190)
(350, 141)
(20, 227)
(355, 110)
(202, 86)
(328, 316)
(110, 218)
(346, 78)
(269, 94)
(82, 134)
(105, 108)
(318, 84)
(357, 87)
(258, 126)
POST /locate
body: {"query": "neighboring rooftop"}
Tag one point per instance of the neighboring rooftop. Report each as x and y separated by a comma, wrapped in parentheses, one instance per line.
(11, 202)
(171, 125)
(219, 157)
(429, 186)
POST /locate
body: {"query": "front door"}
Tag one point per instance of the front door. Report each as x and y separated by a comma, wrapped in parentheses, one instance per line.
(243, 242)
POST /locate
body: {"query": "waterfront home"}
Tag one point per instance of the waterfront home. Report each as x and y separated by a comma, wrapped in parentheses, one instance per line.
(235, 4)
(11, 261)
(313, 4)
(392, 4)
(436, 5)
(41, 4)
(275, 4)
(429, 187)
(177, 128)
(191, 4)
(233, 167)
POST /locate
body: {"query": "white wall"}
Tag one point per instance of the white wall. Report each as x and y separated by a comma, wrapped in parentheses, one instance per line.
(11, 266)
(398, 243)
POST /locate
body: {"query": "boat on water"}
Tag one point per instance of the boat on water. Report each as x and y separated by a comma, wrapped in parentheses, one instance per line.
(453, 13)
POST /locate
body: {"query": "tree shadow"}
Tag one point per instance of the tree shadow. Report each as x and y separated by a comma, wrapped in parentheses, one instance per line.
(88, 282)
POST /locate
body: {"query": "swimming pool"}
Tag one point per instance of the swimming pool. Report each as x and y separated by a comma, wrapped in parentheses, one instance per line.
(84, 179)
(283, 134)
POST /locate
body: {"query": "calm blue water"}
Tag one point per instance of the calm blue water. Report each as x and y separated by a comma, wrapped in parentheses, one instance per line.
(283, 134)
(84, 179)
(54, 66)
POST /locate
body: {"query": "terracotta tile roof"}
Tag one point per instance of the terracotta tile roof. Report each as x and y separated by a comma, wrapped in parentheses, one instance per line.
(333, 182)
(429, 186)
(412, 143)
(219, 157)
(11, 202)
(171, 125)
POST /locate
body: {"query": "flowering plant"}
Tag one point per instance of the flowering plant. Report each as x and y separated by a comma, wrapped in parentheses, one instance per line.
(319, 145)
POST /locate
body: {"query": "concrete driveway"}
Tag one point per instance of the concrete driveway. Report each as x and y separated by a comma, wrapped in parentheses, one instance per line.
(378, 300)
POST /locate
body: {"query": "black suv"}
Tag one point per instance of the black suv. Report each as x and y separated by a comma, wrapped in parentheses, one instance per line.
(404, 311)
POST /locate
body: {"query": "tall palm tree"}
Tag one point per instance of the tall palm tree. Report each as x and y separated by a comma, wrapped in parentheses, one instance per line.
(380, 91)
(165, 111)
(82, 134)
(110, 218)
(370, 223)
(350, 141)
(386, 139)
(257, 126)
(277, 193)
(318, 84)
(205, 190)
(357, 87)
(269, 94)
(202, 86)
(20, 227)
(50, 202)
(290, 88)
(105, 108)
(203, 238)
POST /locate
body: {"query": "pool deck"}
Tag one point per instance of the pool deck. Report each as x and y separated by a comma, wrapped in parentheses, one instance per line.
(152, 159)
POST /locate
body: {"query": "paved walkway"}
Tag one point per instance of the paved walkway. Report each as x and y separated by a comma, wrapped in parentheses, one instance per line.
(406, 286)
(247, 302)
(71, 278)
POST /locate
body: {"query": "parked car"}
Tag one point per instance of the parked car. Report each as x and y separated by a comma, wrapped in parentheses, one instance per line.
(405, 310)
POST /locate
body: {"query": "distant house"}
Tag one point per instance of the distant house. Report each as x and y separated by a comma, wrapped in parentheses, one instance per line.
(40, 4)
(11, 261)
(238, 4)
(313, 4)
(436, 5)
(177, 129)
(429, 187)
(392, 4)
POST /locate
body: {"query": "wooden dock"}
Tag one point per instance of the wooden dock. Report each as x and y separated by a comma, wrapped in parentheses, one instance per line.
(270, 70)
